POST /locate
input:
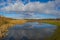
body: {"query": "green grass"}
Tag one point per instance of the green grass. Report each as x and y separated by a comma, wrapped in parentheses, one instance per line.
(54, 23)
(56, 35)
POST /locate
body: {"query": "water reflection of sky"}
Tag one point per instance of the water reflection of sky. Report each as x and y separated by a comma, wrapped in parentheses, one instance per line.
(35, 25)
(27, 15)
(31, 29)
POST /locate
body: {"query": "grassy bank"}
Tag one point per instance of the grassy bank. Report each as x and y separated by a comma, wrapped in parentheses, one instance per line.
(56, 35)
(6, 23)
(54, 22)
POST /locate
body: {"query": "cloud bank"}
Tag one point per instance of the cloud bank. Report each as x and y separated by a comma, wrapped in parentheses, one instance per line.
(51, 7)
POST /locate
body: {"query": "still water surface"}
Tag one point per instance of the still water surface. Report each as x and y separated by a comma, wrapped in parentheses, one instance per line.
(30, 30)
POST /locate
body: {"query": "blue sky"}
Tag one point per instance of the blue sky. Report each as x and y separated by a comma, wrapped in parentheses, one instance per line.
(26, 15)
(30, 0)
(24, 1)
(44, 8)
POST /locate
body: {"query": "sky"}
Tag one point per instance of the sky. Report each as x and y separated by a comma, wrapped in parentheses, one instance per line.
(30, 9)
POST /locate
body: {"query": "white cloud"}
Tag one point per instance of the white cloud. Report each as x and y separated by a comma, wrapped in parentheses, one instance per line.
(14, 7)
(48, 8)
(36, 6)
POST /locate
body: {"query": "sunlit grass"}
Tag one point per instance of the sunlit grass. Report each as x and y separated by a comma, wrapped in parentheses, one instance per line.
(6, 23)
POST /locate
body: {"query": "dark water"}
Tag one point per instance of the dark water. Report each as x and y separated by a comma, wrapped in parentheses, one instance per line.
(30, 31)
